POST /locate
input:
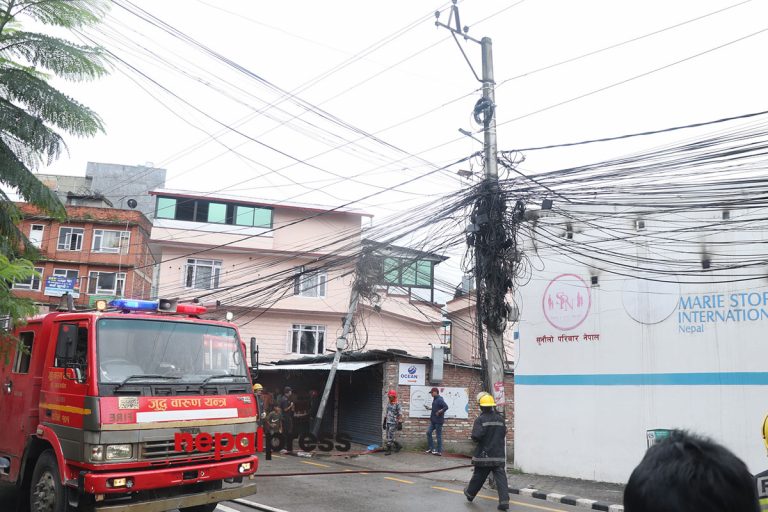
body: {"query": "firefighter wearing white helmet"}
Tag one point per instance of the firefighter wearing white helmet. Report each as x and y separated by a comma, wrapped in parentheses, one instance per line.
(489, 432)
(762, 478)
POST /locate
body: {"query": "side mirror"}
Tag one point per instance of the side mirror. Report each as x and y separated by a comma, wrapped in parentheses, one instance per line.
(254, 358)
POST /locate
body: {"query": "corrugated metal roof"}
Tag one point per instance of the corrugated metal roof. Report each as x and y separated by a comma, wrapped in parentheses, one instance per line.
(343, 366)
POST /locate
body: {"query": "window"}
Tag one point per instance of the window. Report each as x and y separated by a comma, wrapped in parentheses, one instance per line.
(106, 283)
(202, 274)
(105, 240)
(215, 212)
(408, 273)
(36, 234)
(311, 284)
(69, 274)
(70, 239)
(307, 339)
(23, 352)
(71, 346)
(166, 208)
(33, 283)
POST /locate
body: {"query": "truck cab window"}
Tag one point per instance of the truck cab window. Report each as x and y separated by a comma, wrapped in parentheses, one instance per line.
(71, 346)
(23, 352)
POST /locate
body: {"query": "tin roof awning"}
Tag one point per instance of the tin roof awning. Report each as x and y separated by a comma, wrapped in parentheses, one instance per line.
(350, 366)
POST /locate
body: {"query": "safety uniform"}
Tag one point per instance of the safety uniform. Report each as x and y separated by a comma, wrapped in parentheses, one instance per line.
(394, 411)
(489, 432)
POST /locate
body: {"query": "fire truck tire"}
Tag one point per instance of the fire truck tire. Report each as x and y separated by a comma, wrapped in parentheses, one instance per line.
(46, 492)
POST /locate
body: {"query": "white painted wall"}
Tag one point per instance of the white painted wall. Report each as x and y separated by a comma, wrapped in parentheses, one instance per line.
(582, 407)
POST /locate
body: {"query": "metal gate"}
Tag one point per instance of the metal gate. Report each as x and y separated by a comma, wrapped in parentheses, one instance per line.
(360, 404)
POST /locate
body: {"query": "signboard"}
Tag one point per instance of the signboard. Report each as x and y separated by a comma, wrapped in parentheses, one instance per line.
(566, 302)
(411, 374)
(56, 286)
(456, 398)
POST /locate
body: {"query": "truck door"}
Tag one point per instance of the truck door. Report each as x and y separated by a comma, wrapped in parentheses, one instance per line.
(16, 407)
(62, 401)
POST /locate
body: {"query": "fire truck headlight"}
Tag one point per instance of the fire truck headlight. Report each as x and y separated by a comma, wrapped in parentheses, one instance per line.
(244, 467)
(119, 451)
(97, 453)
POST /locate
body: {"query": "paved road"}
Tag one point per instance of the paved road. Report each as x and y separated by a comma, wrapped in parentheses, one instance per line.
(354, 492)
(371, 492)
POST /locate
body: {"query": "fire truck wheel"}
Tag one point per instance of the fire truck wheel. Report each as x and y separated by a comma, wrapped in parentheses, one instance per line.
(46, 492)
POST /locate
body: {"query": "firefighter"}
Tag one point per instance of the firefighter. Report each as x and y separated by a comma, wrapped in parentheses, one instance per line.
(258, 391)
(392, 421)
(762, 478)
(490, 434)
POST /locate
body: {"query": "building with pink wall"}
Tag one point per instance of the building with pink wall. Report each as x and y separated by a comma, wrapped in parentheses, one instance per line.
(286, 272)
(462, 313)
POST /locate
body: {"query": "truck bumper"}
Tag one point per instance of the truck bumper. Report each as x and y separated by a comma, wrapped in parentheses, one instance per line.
(159, 478)
(187, 500)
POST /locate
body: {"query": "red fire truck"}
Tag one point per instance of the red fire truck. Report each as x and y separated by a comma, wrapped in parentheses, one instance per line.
(94, 407)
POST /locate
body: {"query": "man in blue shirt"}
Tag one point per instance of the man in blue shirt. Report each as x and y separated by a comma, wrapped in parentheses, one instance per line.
(436, 420)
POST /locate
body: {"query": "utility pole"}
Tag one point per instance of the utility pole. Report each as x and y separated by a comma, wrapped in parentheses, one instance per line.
(492, 310)
(341, 344)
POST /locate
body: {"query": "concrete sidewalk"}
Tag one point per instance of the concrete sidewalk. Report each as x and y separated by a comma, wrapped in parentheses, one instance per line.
(570, 491)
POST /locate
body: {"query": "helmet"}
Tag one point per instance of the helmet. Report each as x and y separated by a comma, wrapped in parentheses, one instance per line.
(487, 401)
(257, 386)
(481, 395)
(765, 431)
(392, 392)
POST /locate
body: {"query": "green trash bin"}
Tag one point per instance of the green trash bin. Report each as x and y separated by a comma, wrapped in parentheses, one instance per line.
(656, 435)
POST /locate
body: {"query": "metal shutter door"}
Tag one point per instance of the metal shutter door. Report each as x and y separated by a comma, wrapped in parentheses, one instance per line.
(360, 404)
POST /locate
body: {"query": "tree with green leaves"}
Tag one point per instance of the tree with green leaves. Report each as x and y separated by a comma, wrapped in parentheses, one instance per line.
(34, 115)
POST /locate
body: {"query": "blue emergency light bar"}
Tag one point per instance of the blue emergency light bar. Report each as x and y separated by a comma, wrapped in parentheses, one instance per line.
(164, 306)
(134, 305)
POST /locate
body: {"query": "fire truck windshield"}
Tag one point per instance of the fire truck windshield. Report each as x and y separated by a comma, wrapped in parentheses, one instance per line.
(142, 350)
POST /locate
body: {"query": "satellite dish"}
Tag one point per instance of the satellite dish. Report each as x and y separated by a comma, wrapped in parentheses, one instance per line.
(132, 203)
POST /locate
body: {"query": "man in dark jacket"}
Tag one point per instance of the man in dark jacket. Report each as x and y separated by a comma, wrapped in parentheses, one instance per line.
(489, 433)
(436, 420)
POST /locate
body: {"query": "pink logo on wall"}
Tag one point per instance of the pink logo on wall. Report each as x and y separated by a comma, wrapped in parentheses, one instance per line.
(566, 301)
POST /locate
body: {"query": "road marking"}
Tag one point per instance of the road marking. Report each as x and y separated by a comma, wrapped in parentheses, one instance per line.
(224, 508)
(495, 498)
(253, 504)
(315, 464)
(397, 480)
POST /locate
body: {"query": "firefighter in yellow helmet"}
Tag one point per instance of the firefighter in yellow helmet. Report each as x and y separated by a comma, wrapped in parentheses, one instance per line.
(762, 478)
(489, 432)
(257, 390)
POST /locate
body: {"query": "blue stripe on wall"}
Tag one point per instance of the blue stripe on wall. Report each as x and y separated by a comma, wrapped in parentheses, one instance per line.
(647, 379)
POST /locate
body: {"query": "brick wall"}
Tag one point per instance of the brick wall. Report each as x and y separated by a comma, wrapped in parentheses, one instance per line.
(136, 264)
(456, 432)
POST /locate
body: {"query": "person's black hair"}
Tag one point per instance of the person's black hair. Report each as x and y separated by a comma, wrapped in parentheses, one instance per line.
(686, 472)
(486, 408)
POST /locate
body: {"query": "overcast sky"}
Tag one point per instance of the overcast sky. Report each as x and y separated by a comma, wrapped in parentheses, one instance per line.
(385, 69)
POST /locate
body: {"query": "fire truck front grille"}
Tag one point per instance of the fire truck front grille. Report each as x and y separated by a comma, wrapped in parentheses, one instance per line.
(166, 449)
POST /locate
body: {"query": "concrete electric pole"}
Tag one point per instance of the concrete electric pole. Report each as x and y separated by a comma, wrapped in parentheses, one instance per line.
(485, 112)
